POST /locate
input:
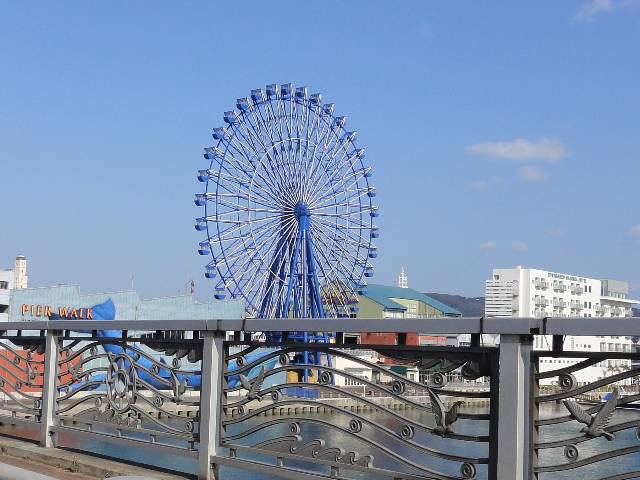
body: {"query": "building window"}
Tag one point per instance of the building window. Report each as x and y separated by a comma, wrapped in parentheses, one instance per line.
(4, 285)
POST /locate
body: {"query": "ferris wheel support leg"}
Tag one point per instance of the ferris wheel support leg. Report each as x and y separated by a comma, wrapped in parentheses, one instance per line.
(313, 278)
(292, 274)
(271, 282)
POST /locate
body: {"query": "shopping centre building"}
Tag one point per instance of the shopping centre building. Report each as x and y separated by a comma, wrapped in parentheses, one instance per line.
(41, 303)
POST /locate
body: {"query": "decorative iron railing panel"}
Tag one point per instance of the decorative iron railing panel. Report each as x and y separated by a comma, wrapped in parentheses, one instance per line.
(21, 373)
(359, 413)
(137, 388)
(586, 415)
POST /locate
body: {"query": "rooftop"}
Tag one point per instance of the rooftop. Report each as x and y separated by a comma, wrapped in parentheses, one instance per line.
(382, 295)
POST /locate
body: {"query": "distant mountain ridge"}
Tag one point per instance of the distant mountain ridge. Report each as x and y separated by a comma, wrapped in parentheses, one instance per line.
(469, 306)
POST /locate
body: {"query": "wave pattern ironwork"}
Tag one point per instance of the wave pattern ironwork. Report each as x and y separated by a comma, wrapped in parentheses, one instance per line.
(582, 425)
(390, 411)
(21, 373)
(129, 390)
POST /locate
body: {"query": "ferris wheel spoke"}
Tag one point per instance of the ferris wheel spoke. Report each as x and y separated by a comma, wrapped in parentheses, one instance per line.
(341, 199)
(331, 167)
(254, 199)
(352, 176)
(311, 153)
(311, 126)
(284, 122)
(333, 176)
(331, 283)
(324, 144)
(327, 252)
(298, 110)
(337, 275)
(336, 142)
(285, 242)
(265, 183)
(293, 136)
(243, 208)
(230, 179)
(245, 118)
(343, 256)
(249, 167)
(235, 227)
(267, 281)
(251, 273)
(283, 229)
(337, 215)
(239, 242)
(358, 241)
(346, 255)
(263, 243)
(274, 156)
(276, 120)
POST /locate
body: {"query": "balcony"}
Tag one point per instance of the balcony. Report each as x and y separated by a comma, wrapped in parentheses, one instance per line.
(601, 310)
(541, 284)
(576, 305)
(577, 290)
(559, 304)
(541, 302)
(559, 287)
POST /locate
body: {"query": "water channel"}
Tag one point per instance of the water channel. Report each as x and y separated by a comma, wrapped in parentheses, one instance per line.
(607, 468)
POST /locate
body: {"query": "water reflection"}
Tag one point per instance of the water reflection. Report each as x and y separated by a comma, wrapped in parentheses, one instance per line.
(567, 430)
(280, 427)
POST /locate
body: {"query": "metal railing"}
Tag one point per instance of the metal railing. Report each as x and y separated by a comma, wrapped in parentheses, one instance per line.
(204, 392)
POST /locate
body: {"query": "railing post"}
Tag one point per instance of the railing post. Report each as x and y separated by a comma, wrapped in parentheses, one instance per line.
(49, 387)
(210, 403)
(513, 407)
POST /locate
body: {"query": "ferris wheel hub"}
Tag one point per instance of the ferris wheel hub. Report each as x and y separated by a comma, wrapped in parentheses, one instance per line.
(301, 210)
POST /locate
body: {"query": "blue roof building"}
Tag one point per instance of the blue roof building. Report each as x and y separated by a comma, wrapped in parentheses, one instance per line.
(382, 301)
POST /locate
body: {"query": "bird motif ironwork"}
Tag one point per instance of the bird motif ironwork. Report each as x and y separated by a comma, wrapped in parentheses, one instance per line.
(253, 387)
(444, 418)
(595, 424)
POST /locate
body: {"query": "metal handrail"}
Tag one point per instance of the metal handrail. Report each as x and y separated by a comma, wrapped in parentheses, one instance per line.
(626, 326)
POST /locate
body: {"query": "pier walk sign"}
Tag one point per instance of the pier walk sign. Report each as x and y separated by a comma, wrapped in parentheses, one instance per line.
(64, 312)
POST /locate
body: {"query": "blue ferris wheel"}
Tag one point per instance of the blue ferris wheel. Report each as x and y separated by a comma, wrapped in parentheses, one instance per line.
(288, 209)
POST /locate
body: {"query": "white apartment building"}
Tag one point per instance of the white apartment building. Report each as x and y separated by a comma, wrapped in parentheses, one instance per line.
(11, 279)
(529, 292)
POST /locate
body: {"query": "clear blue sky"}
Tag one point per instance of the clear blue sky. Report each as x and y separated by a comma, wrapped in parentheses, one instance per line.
(501, 133)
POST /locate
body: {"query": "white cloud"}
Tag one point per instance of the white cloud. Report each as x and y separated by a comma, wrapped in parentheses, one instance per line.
(544, 149)
(485, 185)
(635, 232)
(557, 232)
(587, 11)
(519, 247)
(531, 173)
(590, 9)
(488, 246)
(479, 185)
